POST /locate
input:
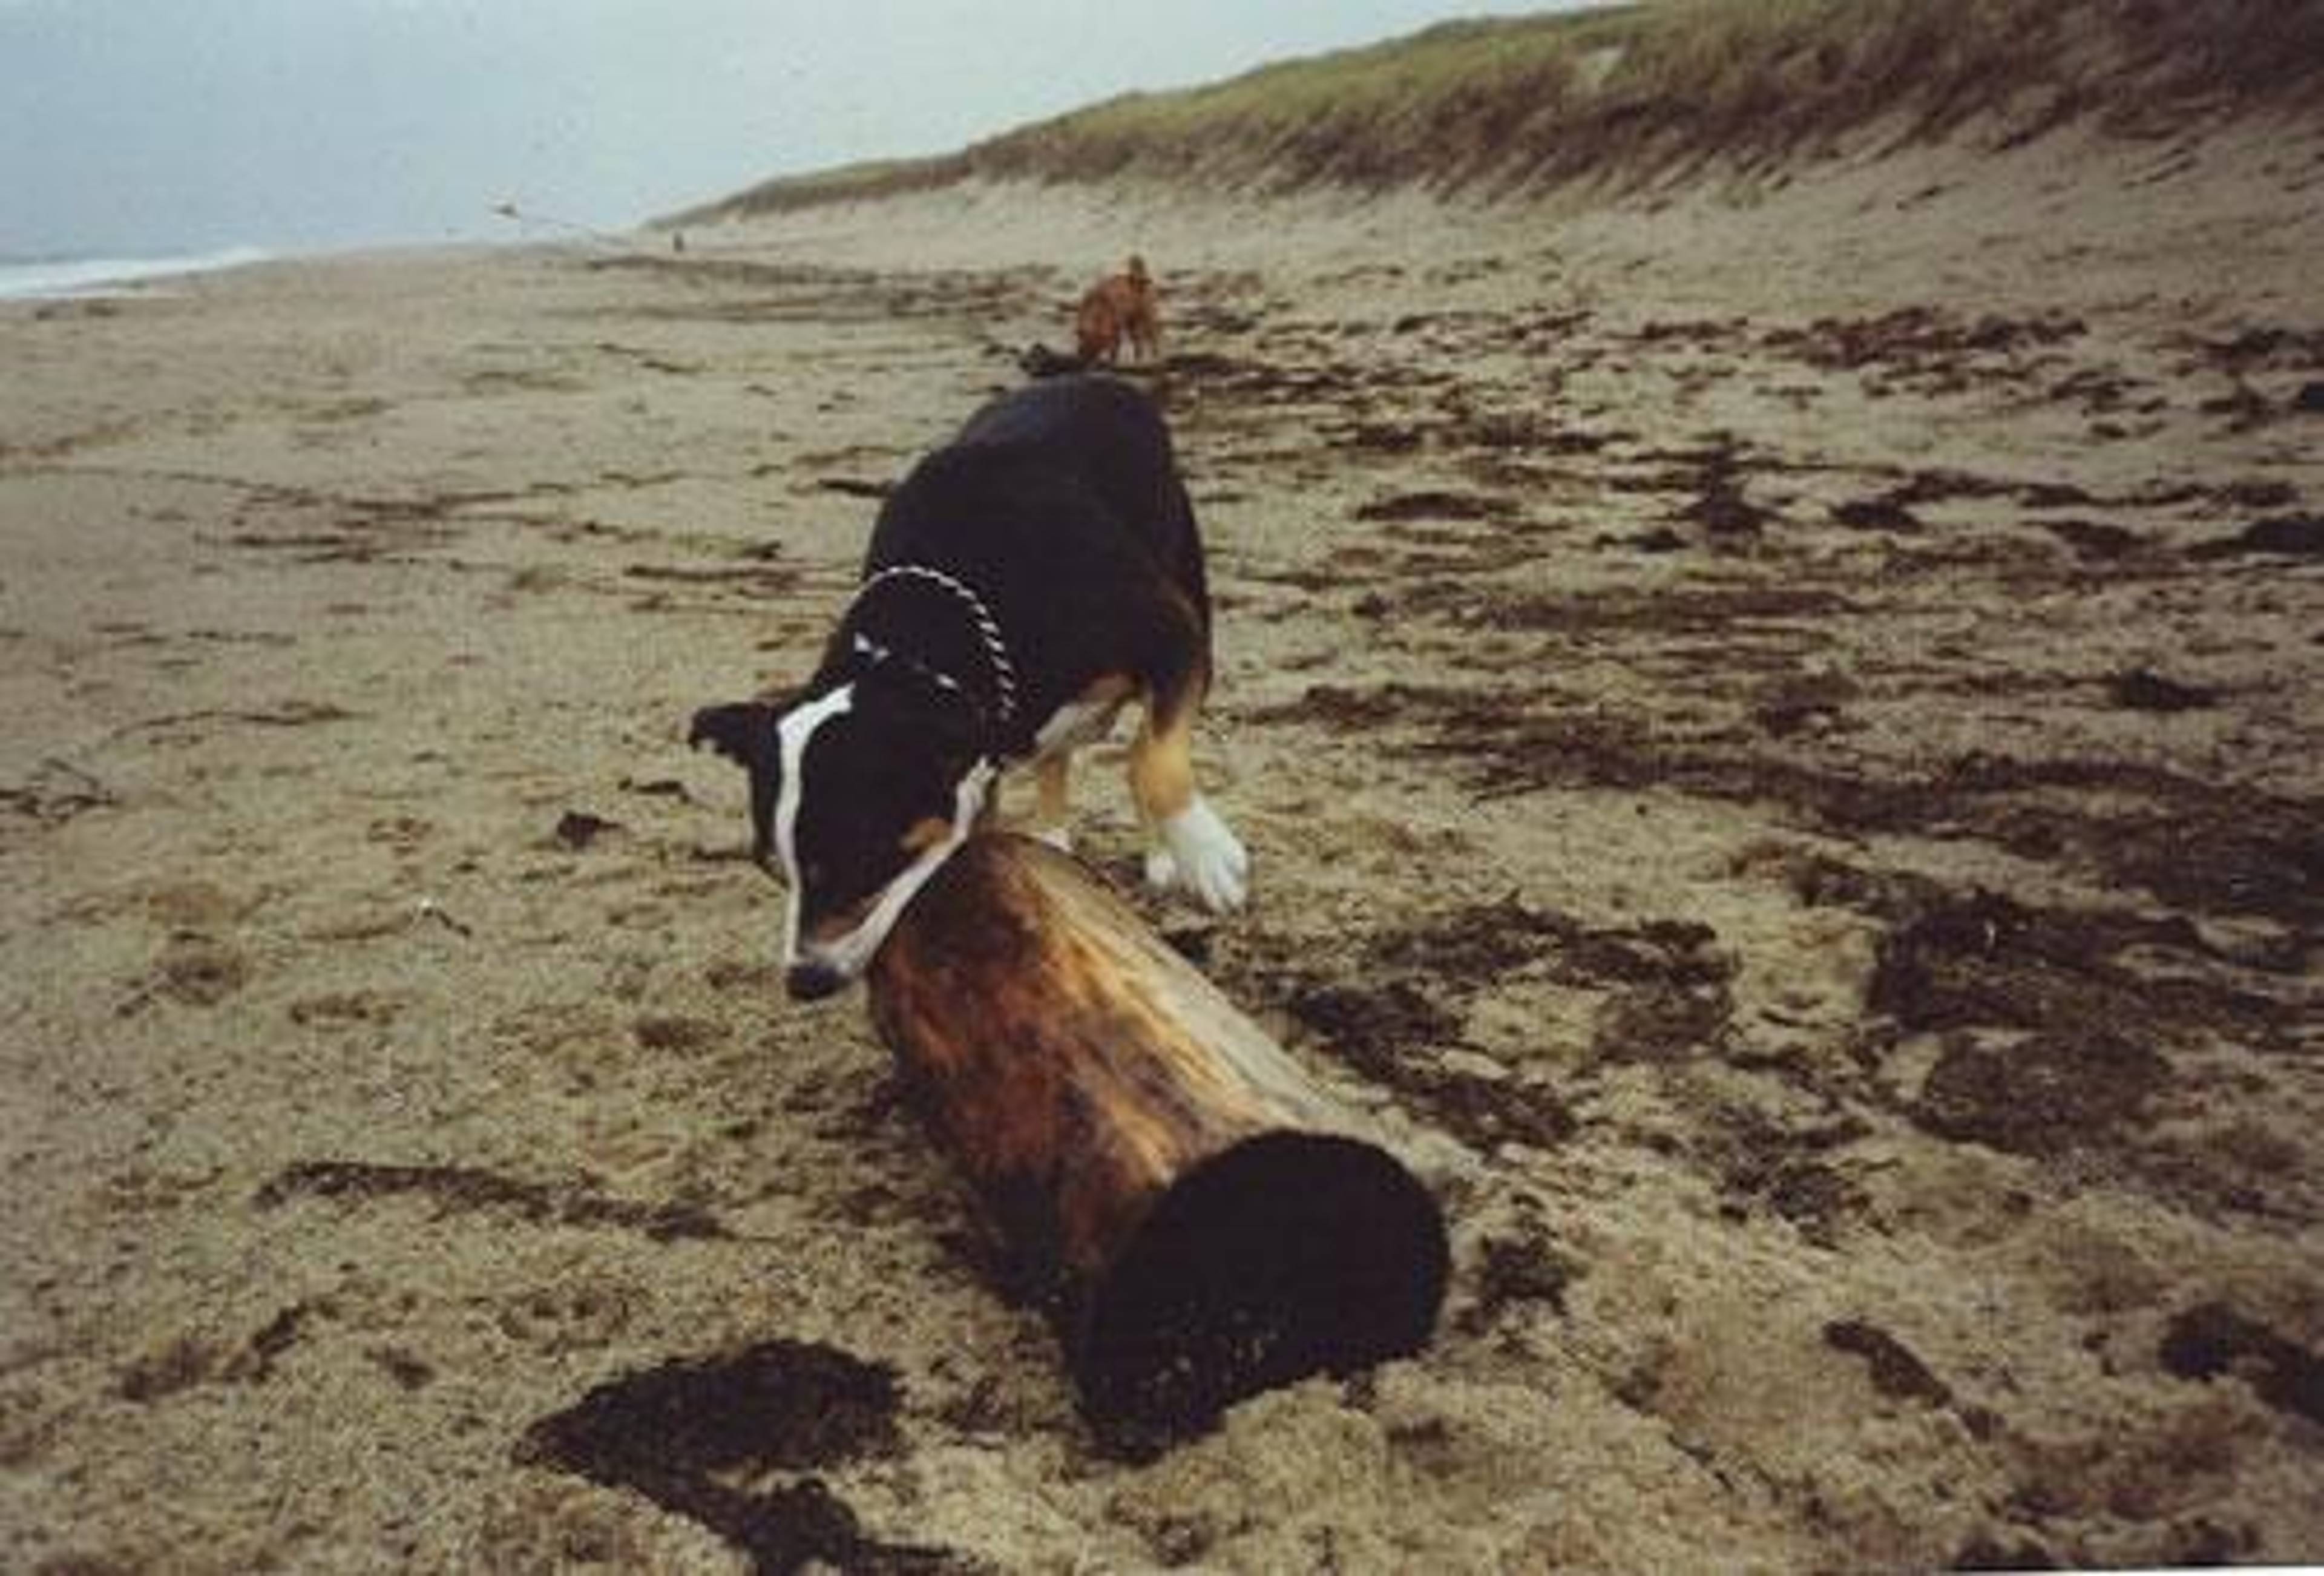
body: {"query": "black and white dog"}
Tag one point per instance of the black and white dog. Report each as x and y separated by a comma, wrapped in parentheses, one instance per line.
(1023, 583)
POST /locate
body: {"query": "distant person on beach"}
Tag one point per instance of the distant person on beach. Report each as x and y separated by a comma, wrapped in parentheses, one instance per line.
(1118, 305)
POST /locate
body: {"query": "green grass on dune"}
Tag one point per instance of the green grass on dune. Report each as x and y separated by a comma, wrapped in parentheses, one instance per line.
(1635, 92)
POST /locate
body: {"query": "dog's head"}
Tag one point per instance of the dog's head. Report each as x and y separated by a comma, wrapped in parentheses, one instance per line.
(858, 795)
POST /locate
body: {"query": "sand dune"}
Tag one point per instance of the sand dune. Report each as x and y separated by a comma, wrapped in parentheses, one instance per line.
(1778, 731)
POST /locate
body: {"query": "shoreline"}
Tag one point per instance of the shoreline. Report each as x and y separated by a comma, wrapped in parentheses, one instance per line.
(81, 277)
(75, 278)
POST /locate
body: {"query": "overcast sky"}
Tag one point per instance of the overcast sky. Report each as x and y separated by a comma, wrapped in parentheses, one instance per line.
(146, 126)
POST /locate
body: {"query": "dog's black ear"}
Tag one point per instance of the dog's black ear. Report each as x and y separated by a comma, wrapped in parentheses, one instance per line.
(744, 733)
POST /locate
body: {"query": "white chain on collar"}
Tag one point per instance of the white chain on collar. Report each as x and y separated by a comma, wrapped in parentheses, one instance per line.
(988, 630)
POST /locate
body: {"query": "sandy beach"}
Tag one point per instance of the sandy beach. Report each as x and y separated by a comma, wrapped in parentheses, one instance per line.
(1779, 732)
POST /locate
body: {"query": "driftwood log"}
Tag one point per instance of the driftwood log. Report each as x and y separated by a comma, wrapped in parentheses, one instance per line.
(1201, 1220)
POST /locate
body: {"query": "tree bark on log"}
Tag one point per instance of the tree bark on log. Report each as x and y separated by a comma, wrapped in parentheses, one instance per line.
(1204, 1223)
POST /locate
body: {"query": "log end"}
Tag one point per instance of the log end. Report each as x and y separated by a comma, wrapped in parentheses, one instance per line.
(1288, 1255)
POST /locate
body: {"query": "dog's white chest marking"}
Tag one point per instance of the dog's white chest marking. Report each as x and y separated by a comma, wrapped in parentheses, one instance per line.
(1073, 725)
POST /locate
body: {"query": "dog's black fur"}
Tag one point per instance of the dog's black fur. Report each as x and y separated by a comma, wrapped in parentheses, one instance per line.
(1061, 502)
(1066, 562)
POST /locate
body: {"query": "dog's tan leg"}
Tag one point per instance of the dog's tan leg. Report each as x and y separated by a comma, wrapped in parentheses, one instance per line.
(1161, 763)
(1197, 851)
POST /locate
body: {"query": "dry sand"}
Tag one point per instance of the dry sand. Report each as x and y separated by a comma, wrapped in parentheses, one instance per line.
(1780, 733)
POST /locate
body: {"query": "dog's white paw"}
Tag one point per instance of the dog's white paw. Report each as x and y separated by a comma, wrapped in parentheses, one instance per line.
(1201, 857)
(1161, 869)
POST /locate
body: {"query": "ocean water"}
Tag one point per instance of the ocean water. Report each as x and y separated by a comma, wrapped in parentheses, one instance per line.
(56, 277)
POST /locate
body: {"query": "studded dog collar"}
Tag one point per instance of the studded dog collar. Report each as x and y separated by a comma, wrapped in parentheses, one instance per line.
(988, 633)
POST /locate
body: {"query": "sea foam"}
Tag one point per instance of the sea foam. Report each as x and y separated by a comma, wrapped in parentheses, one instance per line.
(51, 278)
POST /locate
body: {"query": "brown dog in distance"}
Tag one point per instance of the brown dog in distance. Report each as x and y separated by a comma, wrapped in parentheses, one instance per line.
(1119, 305)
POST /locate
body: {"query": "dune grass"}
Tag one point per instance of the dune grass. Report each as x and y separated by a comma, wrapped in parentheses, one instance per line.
(1632, 93)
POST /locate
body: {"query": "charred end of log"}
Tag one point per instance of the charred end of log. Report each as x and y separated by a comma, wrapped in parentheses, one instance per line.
(1289, 1254)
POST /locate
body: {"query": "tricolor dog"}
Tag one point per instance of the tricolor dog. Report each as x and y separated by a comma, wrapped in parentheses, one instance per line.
(1023, 583)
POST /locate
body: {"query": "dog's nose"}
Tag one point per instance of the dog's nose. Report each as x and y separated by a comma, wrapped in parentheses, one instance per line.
(812, 982)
